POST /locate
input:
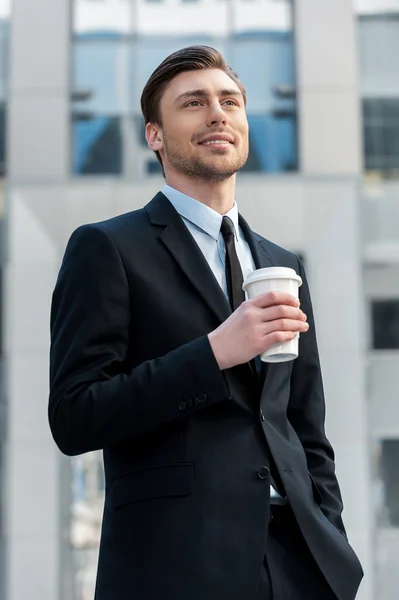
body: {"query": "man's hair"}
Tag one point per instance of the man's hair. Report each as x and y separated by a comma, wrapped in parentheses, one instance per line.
(192, 58)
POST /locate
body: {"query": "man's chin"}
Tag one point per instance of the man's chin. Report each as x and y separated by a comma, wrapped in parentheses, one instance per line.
(217, 169)
(213, 168)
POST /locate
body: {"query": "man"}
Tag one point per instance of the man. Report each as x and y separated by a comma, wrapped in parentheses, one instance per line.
(220, 481)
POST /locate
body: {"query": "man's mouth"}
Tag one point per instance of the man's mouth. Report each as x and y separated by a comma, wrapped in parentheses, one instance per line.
(216, 142)
(217, 139)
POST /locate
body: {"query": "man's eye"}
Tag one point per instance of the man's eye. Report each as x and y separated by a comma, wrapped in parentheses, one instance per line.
(193, 103)
(230, 103)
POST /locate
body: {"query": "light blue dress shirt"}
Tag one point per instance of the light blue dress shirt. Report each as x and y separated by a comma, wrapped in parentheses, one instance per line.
(204, 224)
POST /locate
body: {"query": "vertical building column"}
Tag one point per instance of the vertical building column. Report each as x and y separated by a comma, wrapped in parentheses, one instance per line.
(330, 151)
(38, 142)
(328, 95)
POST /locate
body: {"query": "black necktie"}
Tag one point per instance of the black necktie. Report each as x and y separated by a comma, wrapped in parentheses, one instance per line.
(234, 280)
(233, 271)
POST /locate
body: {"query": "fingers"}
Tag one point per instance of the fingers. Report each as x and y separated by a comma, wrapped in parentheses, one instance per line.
(279, 337)
(282, 311)
(274, 299)
(286, 325)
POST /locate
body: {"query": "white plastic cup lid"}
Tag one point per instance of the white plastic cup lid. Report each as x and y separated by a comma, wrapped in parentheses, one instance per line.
(272, 273)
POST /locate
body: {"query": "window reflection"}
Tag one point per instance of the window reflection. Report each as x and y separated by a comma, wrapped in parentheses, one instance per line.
(379, 45)
(381, 135)
(2, 139)
(111, 69)
(385, 324)
(4, 58)
(388, 467)
(272, 144)
(97, 146)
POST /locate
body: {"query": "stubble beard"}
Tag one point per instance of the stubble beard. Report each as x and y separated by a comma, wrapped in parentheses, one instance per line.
(195, 167)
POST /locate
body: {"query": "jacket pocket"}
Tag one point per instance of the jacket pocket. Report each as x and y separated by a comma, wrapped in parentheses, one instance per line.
(316, 491)
(162, 481)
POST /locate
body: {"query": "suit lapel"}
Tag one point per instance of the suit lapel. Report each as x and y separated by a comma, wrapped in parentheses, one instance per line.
(262, 259)
(273, 376)
(179, 242)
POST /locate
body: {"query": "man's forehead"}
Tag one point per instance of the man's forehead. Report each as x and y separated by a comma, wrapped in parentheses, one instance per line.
(208, 80)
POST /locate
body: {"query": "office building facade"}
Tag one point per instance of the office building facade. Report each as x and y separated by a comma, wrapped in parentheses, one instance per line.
(321, 180)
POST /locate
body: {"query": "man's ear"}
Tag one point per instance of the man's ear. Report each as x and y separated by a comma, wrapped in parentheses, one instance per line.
(153, 135)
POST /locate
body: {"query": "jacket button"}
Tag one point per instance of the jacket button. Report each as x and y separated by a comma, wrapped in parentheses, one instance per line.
(263, 473)
(202, 398)
(182, 405)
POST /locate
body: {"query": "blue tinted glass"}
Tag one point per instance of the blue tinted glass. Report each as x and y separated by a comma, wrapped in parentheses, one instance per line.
(4, 57)
(100, 67)
(97, 146)
(115, 70)
(263, 61)
(2, 139)
(381, 134)
(265, 64)
(153, 167)
(272, 144)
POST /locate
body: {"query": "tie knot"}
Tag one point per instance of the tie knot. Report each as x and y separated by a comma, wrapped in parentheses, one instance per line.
(227, 227)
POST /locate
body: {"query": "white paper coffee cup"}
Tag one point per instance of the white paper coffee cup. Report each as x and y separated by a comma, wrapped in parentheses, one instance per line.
(280, 279)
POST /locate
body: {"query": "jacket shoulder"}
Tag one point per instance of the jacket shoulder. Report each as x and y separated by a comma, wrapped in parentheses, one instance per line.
(279, 254)
(116, 228)
(121, 223)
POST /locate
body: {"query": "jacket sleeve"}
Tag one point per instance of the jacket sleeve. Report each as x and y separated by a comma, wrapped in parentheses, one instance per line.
(306, 413)
(94, 400)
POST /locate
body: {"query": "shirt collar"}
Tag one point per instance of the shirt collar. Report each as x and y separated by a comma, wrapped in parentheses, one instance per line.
(199, 214)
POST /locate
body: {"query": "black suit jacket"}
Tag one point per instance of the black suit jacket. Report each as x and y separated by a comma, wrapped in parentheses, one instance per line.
(132, 373)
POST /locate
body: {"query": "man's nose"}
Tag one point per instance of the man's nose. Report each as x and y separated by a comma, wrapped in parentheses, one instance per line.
(217, 116)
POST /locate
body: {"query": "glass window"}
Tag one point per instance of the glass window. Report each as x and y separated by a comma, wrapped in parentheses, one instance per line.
(4, 56)
(2, 139)
(381, 135)
(4, 40)
(97, 146)
(385, 324)
(102, 16)
(153, 166)
(378, 48)
(378, 36)
(111, 69)
(99, 73)
(271, 98)
(389, 460)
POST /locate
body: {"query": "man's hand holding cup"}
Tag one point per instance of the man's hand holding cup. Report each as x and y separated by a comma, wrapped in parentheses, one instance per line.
(267, 324)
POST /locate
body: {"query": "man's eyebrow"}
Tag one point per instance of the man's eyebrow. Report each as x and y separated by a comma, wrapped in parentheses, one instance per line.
(201, 93)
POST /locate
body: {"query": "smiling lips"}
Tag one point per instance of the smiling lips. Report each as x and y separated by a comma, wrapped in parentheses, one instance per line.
(217, 140)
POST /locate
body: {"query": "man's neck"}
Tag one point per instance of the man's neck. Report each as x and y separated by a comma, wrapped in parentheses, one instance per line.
(218, 196)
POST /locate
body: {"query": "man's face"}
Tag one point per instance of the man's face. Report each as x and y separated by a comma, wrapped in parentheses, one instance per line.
(204, 132)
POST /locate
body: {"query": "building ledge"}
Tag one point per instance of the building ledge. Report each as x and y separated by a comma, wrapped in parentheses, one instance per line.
(382, 252)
